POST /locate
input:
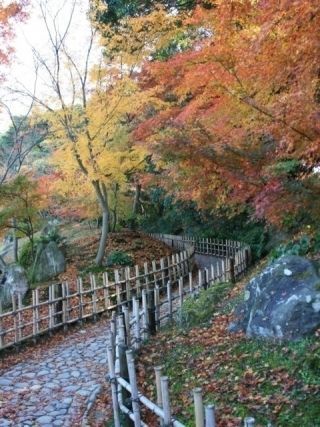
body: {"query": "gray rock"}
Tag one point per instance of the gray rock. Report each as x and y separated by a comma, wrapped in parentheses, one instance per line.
(283, 302)
(44, 420)
(13, 281)
(49, 262)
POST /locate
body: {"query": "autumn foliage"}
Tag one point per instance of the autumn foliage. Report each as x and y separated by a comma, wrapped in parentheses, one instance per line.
(241, 117)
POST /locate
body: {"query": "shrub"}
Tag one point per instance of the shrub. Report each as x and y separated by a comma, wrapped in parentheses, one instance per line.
(25, 256)
(119, 258)
(198, 311)
(301, 247)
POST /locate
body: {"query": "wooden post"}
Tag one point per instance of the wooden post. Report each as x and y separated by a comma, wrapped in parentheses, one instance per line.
(128, 287)
(146, 276)
(151, 313)
(206, 278)
(232, 270)
(158, 372)
(80, 292)
(198, 407)
(157, 306)
(249, 422)
(138, 284)
(118, 288)
(136, 315)
(125, 312)
(113, 382)
(145, 315)
(58, 305)
(199, 280)
(15, 318)
(210, 416)
(134, 388)
(169, 297)
(106, 293)
(190, 283)
(180, 291)
(20, 323)
(163, 276)
(123, 371)
(166, 401)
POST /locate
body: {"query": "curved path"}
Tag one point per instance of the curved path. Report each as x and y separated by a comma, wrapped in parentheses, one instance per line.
(56, 387)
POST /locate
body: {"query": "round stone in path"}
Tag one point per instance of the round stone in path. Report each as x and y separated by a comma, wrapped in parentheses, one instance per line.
(55, 387)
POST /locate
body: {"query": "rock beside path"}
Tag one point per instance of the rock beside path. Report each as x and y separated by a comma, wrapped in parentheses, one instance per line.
(13, 281)
(283, 302)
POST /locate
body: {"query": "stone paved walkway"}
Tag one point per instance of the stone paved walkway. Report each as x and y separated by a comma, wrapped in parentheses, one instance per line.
(55, 387)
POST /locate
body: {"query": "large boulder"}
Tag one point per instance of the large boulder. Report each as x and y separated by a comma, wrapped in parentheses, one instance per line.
(49, 262)
(13, 281)
(283, 302)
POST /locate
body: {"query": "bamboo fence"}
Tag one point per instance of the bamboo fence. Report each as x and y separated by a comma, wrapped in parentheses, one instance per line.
(128, 331)
(60, 305)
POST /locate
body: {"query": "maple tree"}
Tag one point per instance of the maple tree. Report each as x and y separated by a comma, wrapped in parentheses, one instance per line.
(239, 104)
(9, 12)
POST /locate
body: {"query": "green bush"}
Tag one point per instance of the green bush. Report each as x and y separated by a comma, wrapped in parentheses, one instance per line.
(119, 258)
(198, 311)
(305, 245)
(25, 256)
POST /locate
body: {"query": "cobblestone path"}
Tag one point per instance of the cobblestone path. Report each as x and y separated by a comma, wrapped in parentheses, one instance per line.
(55, 387)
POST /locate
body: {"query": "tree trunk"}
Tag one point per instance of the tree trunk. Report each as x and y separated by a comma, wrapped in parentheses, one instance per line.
(135, 207)
(102, 195)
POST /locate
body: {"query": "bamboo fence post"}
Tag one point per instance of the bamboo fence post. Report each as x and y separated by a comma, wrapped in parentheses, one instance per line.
(134, 389)
(80, 292)
(20, 323)
(158, 372)
(106, 293)
(146, 276)
(199, 281)
(138, 284)
(163, 276)
(210, 416)
(125, 312)
(113, 382)
(118, 287)
(121, 328)
(154, 273)
(51, 320)
(198, 407)
(190, 283)
(157, 306)
(174, 268)
(249, 422)
(136, 314)
(94, 295)
(58, 305)
(64, 307)
(145, 315)
(125, 395)
(15, 318)
(232, 270)
(169, 297)
(178, 264)
(128, 287)
(166, 401)
(206, 278)
(151, 313)
(169, 268)
(180, 291)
